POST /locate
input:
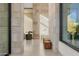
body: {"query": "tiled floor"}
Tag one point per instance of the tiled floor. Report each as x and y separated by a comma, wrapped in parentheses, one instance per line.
(35, 48)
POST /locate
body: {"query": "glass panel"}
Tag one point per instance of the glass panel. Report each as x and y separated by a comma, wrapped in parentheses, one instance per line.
(71, 24)
(3, 29)
(44, 25)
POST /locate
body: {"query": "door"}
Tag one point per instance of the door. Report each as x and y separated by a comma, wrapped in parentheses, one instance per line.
(5, 31)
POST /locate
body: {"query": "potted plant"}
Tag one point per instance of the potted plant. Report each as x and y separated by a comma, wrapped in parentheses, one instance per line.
(74, 30)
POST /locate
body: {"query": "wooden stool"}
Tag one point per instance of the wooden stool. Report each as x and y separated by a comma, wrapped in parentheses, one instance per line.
(47, 44)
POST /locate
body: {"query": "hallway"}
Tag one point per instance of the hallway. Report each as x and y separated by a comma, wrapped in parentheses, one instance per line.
(35, 48)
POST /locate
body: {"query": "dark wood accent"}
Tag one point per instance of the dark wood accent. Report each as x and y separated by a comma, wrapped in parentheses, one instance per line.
(9, 30)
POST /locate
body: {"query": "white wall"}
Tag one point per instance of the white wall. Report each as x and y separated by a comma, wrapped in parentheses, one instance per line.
(28, 23)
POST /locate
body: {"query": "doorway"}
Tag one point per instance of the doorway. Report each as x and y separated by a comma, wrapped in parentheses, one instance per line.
(28, 20)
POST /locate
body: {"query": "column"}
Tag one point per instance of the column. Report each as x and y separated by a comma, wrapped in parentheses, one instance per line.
(17, 29)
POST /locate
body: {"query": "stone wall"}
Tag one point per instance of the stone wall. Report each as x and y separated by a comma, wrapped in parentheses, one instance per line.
(38, 9)
(17, 29)
(54, 25)
(35, 22)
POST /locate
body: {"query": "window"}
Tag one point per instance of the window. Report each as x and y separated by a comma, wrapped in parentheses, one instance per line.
(69, 24)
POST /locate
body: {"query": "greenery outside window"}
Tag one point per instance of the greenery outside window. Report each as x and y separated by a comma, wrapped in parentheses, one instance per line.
(69, 24)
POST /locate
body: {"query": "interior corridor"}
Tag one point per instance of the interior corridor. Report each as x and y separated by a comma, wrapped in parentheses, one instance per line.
(37, 30)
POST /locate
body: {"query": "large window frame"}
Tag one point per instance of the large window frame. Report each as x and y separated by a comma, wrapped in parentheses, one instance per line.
(9, 12)
(61, 28)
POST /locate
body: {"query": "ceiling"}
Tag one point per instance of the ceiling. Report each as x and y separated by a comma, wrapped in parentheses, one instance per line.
(28, 5)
